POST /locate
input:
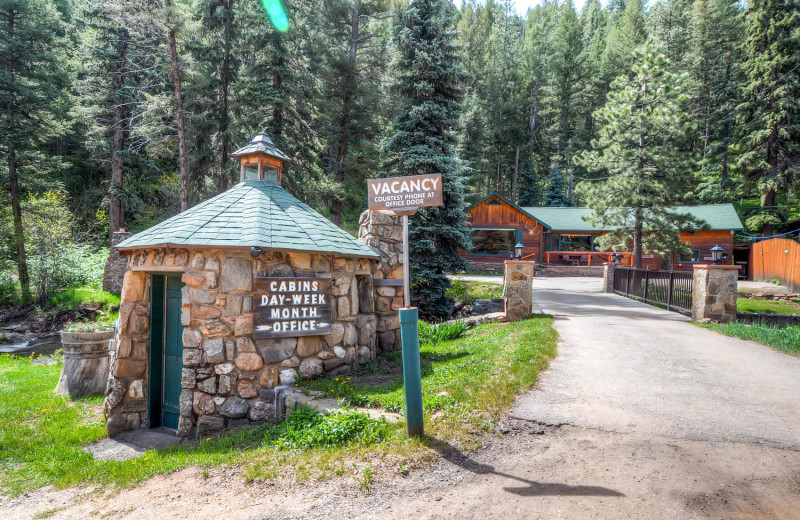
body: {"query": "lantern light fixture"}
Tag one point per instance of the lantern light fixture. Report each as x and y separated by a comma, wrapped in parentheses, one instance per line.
(716, 254)
(518, 250)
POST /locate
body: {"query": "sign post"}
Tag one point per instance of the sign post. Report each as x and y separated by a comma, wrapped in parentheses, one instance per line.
(404, 196)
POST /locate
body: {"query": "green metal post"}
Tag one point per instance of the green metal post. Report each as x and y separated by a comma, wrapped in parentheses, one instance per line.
(412, 377)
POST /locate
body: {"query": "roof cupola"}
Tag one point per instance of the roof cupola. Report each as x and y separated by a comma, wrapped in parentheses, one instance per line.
(261, 160)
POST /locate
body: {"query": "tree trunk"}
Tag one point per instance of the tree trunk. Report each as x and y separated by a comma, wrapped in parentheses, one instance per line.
(225, 145)
(337, 205)
(13, 181)
(516, 175)
(116, 213)
(768, 196)
(175, 71)
(19, 235)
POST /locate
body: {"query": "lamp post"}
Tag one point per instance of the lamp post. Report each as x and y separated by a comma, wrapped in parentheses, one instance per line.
(716, 254)
(518, 250)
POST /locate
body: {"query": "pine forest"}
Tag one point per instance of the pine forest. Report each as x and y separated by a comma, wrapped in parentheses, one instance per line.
(121, 113)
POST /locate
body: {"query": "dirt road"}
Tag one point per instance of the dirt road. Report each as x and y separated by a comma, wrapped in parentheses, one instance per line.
(640, 416)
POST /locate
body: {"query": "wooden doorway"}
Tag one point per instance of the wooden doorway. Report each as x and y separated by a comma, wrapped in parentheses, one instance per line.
(166, 350)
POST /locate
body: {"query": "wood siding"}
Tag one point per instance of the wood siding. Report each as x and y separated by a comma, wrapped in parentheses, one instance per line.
(505, 216)
(769, 259)
(704, 241)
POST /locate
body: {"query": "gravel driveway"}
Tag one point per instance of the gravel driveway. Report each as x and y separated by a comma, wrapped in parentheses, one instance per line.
(628, 367)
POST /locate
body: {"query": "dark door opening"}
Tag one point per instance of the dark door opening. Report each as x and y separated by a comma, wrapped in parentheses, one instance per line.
(166, 350)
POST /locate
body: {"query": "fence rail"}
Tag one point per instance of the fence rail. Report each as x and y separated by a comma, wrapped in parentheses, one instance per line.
(671, 289)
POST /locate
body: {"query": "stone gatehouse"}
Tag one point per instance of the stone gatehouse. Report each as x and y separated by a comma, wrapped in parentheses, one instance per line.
(227, 305)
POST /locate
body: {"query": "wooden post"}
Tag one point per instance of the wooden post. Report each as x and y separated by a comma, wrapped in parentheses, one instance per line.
(646, 283)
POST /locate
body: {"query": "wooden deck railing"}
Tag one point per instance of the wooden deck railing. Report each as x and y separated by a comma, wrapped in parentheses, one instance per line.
(583, 258)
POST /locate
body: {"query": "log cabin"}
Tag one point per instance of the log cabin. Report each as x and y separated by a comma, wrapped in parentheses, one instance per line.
(565, 237)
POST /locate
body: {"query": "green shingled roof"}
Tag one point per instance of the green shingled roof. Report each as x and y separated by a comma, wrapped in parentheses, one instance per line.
(717, 216)
(252, 213)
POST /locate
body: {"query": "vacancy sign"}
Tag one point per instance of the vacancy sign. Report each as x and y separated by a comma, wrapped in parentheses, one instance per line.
(405, 193)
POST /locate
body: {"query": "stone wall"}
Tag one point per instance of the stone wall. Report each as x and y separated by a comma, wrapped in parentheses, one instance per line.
(714, 293)
(518, 289)
(116, 265)
(383, 231)
(228, 377)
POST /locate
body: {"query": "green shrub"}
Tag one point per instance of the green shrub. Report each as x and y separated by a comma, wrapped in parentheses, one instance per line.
(306, 428)
(435, 334)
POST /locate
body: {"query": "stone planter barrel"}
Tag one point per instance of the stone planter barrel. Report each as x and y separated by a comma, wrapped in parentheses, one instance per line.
(86, 363)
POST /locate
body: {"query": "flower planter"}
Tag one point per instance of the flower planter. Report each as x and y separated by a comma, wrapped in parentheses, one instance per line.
(86, 363)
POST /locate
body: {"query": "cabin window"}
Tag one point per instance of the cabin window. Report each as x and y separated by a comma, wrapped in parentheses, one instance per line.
(694, 257)
(575, 243)
(493, 241)
(494, 202)
(270, 174)
(251, 172)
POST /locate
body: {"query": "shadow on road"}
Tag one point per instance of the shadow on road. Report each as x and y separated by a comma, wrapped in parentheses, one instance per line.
(455, 456)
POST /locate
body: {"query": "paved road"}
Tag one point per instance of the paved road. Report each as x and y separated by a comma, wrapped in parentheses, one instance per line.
(627, 367)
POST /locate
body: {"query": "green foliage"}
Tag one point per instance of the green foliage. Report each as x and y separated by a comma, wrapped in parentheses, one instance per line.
(786, 339)
(641, 148)
(56, 259)
(530, 193)
(305, 428)
(430, 86)
(467, 292)
(478, 373)
(556, 191)
(769, 115)
(756, 305)
(441, 332)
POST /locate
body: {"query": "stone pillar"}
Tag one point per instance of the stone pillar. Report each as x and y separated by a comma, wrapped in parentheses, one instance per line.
(383, 231)
(714, 297)
(115, 266)
(518, 289)
(608, 277)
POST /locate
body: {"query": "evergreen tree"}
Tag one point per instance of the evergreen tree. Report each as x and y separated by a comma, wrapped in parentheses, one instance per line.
(530, 193)
(31, 90)
(556, 189)
(430, 86)
(770, 113)
(669, 27)
(352, 97)
(639, 146)
(715, 69)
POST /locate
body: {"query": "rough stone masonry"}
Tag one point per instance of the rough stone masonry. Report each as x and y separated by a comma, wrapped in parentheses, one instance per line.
(229, 377)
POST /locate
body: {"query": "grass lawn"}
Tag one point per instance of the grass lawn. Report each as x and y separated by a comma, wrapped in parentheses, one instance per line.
(786, 339)
(768, 306)
(468, 383)
(469, 291)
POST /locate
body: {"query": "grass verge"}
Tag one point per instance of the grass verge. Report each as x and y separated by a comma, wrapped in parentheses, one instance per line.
(768, 306)
(786, 339)
(468, 383)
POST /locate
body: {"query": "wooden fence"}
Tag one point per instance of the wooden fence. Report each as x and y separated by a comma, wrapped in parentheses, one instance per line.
(776, 258)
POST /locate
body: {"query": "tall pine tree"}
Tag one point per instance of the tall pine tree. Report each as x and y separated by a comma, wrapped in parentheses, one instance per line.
(34, 74)
(430, 85)
(770, 114)
(639, 146)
